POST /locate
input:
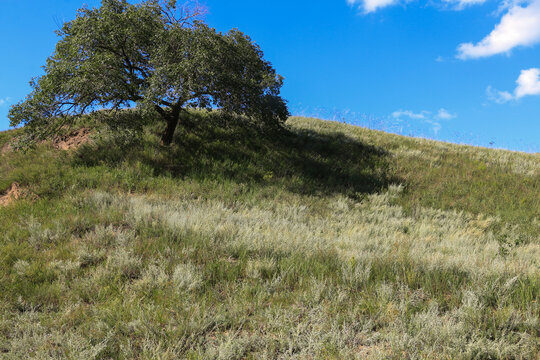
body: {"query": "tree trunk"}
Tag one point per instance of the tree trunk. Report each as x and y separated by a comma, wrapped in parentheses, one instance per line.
(172, 122)
(167, 137)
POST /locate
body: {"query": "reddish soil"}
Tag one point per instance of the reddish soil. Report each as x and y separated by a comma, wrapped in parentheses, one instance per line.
(14, 193)
(72, 140)
(5, 149)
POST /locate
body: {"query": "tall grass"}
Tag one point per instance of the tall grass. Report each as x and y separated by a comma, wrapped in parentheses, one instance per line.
(323, 241)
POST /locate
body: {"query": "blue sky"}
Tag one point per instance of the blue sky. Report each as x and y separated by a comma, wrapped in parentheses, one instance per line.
(465, 71)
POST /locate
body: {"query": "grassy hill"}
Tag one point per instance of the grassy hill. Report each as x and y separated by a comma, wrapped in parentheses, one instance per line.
(322, 241)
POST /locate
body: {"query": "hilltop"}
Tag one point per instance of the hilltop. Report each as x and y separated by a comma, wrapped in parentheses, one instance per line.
(322, 240)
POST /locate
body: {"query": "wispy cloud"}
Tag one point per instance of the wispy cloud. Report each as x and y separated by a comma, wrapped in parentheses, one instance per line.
(410, 114)
(5, 101)
(428, 117)
(369, 6)
(462, 4)
(444, 115)
(518, 27)
(528, 83)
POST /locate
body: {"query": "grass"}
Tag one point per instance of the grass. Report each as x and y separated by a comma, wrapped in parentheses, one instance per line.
(322, 241)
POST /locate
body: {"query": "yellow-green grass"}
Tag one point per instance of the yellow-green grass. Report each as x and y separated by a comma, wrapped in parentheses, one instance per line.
(325, 241)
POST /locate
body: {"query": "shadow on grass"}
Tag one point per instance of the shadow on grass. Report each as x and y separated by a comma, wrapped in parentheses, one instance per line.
(212, 146)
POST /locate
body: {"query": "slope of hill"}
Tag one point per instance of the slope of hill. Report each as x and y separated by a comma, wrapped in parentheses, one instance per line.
(323, 241)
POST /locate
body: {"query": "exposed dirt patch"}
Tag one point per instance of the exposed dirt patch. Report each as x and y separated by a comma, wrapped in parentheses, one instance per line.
(5, 149)
(72, 140)
(15, 192)
(67, 141)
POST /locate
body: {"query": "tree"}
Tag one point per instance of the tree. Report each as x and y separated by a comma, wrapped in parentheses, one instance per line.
(157, 55)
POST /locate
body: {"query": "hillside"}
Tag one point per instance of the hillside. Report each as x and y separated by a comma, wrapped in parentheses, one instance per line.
(324, 241)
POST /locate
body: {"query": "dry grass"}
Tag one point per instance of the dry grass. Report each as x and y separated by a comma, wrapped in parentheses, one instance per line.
(127, 261)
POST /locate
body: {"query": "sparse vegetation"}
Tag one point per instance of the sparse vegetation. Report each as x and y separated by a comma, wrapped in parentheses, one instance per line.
(319, 241)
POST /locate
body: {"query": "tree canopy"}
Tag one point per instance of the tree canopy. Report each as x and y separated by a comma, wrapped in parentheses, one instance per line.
(157, 55)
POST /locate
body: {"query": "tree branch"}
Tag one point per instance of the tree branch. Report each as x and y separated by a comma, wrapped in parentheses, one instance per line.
(160, 111)
(185, 15)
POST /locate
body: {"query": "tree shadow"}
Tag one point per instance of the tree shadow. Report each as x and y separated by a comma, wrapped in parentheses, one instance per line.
(212, 145)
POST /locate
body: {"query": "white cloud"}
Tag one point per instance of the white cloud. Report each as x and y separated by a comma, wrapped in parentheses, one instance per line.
(528, 83)
(369, 6)
(426, 117)
(520, 26)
